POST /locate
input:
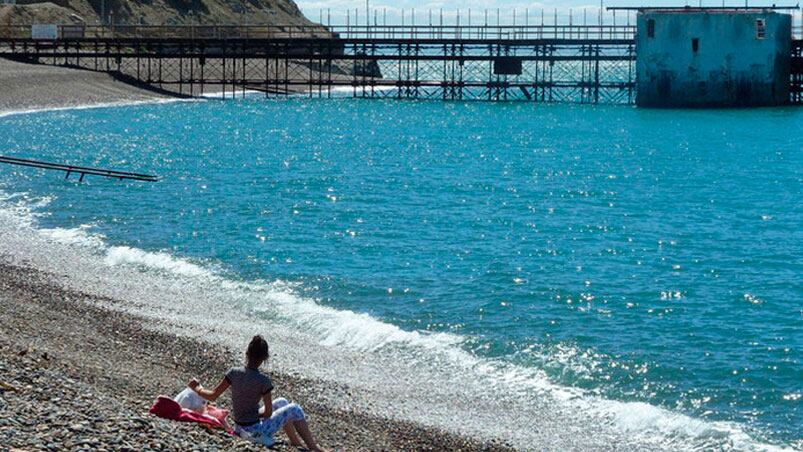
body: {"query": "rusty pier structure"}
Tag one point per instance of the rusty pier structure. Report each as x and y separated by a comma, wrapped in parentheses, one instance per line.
(542, 63)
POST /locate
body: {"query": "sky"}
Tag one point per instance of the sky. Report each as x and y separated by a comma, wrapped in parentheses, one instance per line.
(392, 9)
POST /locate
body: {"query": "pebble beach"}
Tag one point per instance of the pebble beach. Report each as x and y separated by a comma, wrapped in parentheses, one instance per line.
(78, 377)
(31, 87)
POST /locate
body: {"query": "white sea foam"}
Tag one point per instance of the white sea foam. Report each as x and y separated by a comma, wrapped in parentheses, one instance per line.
(337, 91)
(412, 376)
(121, 103)
(75, 236)
(120, 255)
(230, 94)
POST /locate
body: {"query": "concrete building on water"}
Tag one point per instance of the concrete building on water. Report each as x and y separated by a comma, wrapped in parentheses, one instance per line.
(712, 57)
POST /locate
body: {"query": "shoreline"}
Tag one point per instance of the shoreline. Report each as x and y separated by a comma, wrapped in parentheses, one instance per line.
(118, 367)
(90, 106)
(29, 88)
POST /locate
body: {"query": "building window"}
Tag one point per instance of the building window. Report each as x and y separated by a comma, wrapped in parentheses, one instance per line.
(695, 44)
(761, 29)
(650, 28)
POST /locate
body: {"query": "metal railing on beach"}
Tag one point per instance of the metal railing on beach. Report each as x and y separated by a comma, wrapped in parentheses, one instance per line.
(485, 32)
(81, 170)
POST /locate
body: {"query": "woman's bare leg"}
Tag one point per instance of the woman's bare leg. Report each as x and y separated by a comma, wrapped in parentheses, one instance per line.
(290, 430)
(303, 430)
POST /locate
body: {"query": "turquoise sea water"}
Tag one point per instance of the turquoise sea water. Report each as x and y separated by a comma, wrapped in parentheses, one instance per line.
(641, 255)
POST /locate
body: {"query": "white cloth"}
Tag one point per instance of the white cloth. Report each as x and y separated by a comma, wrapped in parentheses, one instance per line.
(190, 400)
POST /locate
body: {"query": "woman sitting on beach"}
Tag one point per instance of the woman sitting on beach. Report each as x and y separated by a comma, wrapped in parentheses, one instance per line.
(248, 387)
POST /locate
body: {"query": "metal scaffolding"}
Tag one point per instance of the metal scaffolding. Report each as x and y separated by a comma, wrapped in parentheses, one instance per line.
(580, 63)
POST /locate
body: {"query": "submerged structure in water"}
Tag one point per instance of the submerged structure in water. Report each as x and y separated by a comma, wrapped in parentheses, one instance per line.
(713, 57)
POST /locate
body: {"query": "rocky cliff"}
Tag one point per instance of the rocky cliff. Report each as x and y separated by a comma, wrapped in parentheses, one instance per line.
(153, 12)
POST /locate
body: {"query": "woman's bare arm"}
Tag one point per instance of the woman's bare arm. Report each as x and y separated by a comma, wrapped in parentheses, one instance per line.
(267, 410)
(210, 395)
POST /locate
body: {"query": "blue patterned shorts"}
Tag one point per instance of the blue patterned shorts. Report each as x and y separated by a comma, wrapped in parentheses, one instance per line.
(262, 432)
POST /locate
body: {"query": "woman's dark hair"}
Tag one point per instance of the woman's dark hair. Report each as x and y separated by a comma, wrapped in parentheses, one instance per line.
(257, 351)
